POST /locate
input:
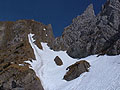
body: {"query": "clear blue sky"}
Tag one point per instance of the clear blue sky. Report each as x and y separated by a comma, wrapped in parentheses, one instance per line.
(59, 13)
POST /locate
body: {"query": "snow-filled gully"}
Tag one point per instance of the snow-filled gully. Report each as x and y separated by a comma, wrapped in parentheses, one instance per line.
(104, 72)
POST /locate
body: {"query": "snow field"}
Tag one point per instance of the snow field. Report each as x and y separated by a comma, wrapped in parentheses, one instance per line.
(104, 72)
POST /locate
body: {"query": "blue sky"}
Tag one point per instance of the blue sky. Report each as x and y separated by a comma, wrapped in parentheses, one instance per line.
(59, 13)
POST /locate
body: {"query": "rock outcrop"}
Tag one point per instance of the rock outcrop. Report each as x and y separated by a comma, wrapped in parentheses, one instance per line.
(89, 34)
(15, 49)
(76, 70)
(16, 77)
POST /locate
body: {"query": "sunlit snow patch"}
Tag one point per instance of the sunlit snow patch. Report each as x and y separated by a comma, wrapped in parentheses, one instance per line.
(44, 29)
(21, 64)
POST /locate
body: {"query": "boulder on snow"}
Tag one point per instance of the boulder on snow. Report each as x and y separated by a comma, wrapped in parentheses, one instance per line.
(76, 70)
(58, 61)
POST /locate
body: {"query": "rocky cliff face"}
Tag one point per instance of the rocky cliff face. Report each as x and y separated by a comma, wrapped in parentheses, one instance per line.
(89, 34)
(15, 49)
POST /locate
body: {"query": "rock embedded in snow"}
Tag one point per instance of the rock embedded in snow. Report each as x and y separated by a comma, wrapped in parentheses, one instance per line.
(76, 70)
(58, 61)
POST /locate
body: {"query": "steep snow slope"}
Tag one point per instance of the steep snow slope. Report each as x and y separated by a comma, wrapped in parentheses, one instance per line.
(104, 72)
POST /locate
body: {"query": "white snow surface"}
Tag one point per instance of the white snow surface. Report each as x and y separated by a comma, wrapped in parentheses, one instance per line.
(44, 29)
(21, 64)
(104, 72)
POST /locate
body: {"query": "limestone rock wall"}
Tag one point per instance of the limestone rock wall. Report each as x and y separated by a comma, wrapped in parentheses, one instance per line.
(89, 34)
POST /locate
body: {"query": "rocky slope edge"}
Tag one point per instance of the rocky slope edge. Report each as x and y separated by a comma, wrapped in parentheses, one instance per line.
(15, 49)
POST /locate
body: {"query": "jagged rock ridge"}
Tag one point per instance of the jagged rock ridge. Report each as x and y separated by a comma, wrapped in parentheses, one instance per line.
(89, 34)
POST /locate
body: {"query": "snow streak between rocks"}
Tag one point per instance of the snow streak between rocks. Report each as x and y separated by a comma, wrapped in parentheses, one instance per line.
(104, 71)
